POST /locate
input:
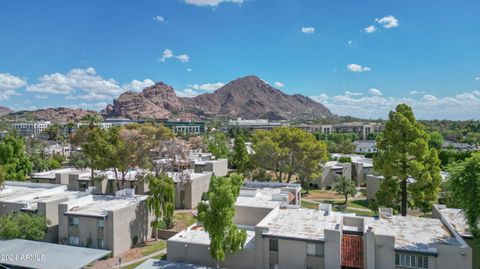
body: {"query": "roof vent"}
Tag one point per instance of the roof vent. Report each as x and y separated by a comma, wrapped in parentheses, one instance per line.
(385, 213)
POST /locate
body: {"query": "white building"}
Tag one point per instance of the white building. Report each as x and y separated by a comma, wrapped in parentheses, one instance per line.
(31, 129)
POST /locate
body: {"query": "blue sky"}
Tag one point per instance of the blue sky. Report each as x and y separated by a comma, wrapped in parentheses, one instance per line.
(359, 58)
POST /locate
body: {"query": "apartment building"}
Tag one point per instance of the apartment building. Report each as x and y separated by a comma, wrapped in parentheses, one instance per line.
(31, 129)
(189, 188)
(36, 198)
(365, 146)
(55, 176)
(219, 167)
(292, 237)
(356, 169)
(112, 222)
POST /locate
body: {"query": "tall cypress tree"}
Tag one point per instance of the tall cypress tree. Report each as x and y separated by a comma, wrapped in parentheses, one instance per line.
(405, 160)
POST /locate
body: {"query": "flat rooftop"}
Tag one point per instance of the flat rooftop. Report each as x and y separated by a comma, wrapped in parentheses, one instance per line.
(31, 193)
(302, 223)
(161, 264)
(100, 205)
(193, 176)
(457, 219)
(262, 198)
(195, 234)
(413, 233)
(51, 173)
(34, 254)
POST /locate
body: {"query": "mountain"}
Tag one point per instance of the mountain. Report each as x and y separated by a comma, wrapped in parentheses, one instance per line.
(5, 111)
(58, 115)
(248, 97)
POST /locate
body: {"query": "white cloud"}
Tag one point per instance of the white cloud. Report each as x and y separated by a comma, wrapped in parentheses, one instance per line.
(137, 85)
(358, 68)
(461, 106)
(308, 30)
(159, 19)
(388, 21)
(168, 54)
(210, 87)
(187, 93)
(477, 78)
(353, 93)
(370, 29)
(9, 85)
(278, 84)
(350, 43)
(212, 3)
(41, 96)
(416, 92)
(375, 92)
(189, 69)
(184, 58)
(84, 84)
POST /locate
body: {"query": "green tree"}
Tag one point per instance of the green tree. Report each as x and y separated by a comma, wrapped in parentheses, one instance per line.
(54, 132)
(403, 153)
(464, 188)
(240, 158)
(345, 187)
(218, 145)
(436, 141)
(23, 226)
(91, 120)
(3, 174)
(13, 158)
(161, 201)
(216, 214)
(286, 151)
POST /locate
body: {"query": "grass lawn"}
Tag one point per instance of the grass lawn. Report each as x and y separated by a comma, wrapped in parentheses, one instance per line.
(359, 207)
(182, 220)
(149, 249)
(315, 194)
(154, 247)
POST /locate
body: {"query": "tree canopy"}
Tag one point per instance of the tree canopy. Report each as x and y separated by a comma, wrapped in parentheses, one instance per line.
(345, 187)
(404, 155)
(464, 187)
(218, 145)
(240, 158)
(288, 151)
(216, 214)
(23, 225)
(161, 200)
(13, 158)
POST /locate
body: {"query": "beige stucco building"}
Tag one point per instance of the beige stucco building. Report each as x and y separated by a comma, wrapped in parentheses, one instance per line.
(289, 237)
(36, 198)
(109, 222)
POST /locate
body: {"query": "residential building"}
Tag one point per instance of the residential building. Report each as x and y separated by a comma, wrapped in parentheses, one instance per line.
(330, 171)
(189, 188)
(56, 176)
(257, 124)
(292, 237)
(362, 129)
(31, 129)
(112, 222)
(373, 186)
(3, 134)
(218, 167)
(162, 264)
(186, 127)
(365, 146)
(36, 198)
(453, 217)
(459, 146)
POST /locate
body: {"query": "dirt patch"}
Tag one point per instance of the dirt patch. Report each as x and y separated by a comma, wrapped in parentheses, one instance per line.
(129, 255)
(322, 195)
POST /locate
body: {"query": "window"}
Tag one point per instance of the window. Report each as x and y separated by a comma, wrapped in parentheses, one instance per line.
(74, 241)
(83, 185)
(73, 221)
(273, 244)
(100, 243)
(315, 250)
(411, 261)
(100, 224)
